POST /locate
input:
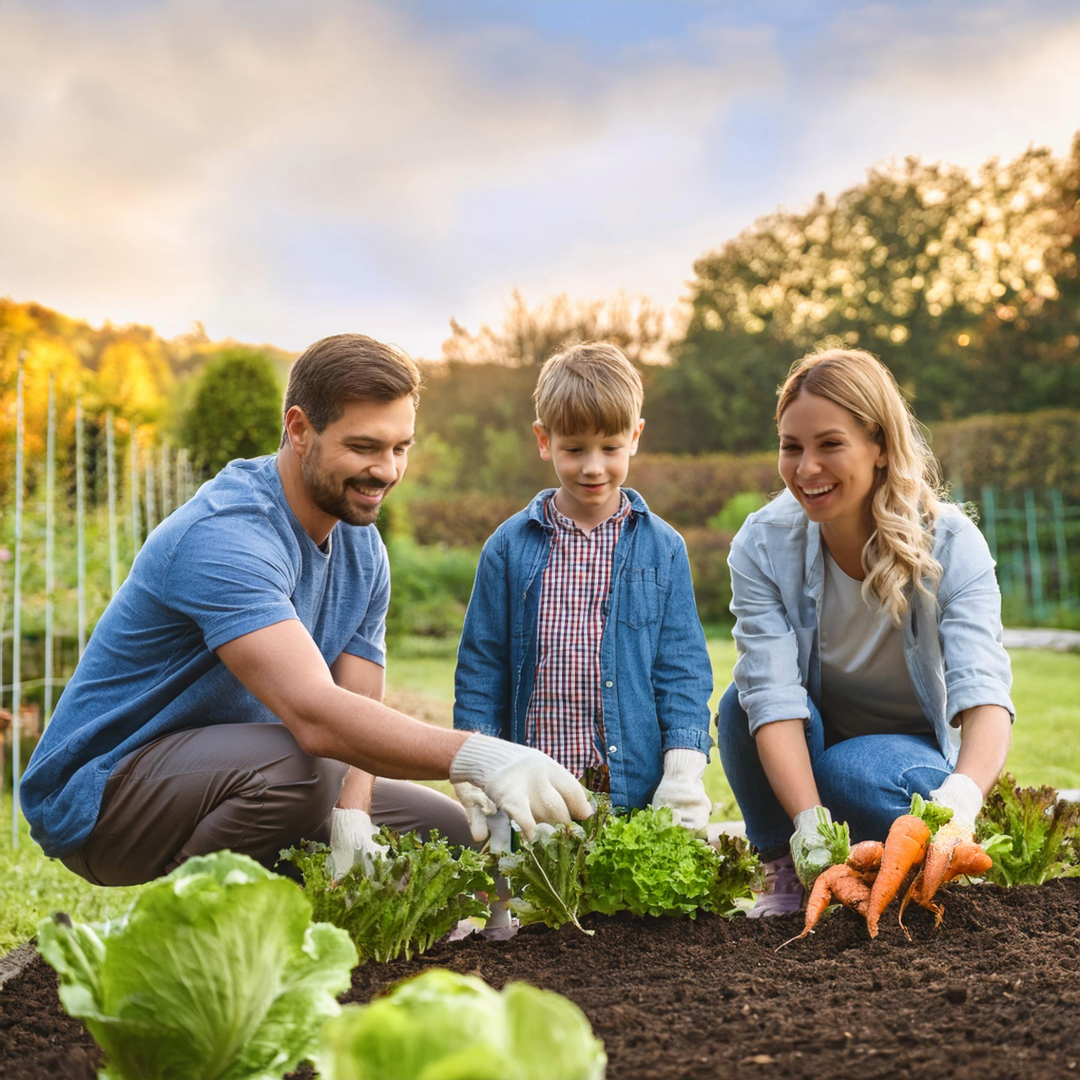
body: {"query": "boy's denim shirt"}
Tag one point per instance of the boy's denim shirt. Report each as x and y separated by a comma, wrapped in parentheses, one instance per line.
(654, 665)
(952, 646)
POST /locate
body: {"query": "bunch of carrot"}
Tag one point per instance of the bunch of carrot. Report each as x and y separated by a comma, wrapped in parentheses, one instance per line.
(923, 850)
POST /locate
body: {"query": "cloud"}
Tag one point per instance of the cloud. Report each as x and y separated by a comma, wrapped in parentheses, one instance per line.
(282, 171)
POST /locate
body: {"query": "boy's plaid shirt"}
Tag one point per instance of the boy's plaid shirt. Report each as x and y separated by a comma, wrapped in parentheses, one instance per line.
(565, 716)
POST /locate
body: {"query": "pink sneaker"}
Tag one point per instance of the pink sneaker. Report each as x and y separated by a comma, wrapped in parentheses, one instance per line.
(782, 893)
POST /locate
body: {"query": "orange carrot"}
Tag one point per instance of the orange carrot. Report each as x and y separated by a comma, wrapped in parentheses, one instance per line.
(904, 848)
(841, 882)
(866, 855)
(965, 857)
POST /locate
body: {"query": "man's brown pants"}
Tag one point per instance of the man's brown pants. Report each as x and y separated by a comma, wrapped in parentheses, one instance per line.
(246, 787)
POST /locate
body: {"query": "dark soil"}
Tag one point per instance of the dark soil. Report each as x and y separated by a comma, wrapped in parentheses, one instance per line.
(995, 993)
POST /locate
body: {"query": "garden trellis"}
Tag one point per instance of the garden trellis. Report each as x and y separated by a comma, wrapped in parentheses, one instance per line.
(66, 567)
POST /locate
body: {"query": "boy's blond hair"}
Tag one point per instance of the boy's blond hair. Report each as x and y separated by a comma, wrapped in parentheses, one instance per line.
(588, 387)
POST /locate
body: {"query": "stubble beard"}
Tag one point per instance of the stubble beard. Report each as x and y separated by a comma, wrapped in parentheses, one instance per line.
(332, 496)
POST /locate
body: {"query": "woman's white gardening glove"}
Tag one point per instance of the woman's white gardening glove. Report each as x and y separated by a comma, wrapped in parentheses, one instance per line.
(683, 789)
(486, 820)
(352, 841)
(963, 797)
(524, 783)
(809, 850)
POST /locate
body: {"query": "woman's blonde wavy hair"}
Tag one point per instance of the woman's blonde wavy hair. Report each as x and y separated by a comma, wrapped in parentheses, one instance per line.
(906, 498)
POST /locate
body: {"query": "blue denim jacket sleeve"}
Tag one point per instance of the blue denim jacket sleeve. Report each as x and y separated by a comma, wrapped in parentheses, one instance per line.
(682, 672)
(767, 673)
(977, 670)
(482, 679)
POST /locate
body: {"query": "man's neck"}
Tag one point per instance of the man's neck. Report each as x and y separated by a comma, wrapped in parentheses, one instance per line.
(315, 522)
(586, 518)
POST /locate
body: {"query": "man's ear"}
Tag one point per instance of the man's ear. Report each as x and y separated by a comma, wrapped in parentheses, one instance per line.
(543, 441)
(298, 430)
(636, 435)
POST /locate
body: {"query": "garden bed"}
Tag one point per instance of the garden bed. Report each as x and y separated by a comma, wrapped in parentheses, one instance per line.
(993, 993)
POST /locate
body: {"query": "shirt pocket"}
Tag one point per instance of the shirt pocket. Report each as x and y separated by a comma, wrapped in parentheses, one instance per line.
(639, 603)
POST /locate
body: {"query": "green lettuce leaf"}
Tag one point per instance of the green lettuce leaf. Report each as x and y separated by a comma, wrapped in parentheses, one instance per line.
(445, 1026)
(648, 864)
(1030, 834)
(215, 973)
(739, 874)
(403, 903)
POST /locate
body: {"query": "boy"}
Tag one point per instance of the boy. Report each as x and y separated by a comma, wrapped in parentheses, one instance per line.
(581, 638)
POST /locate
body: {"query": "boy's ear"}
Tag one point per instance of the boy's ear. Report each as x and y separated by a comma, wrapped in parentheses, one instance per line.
(637, 435)
(543, 441)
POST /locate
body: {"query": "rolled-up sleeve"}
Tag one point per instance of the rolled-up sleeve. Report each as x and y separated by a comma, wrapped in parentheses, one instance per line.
(977, 670)
(767, 674)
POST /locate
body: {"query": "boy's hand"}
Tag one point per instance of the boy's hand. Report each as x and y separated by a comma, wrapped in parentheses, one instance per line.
(526, 784)
(683, 789)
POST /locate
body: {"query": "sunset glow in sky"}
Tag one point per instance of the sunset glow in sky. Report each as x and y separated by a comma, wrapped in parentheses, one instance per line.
(282, 170)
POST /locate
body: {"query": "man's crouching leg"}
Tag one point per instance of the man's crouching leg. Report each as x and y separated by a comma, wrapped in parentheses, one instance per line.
(245, 787)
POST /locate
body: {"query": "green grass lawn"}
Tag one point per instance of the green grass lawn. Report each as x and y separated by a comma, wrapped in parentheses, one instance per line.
(1045, 750)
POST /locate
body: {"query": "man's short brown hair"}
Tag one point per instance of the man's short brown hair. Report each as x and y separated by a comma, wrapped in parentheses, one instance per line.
(586, 387)
(348, 367)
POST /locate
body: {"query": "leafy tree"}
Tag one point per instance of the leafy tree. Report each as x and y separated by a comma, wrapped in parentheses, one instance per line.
(235, 411)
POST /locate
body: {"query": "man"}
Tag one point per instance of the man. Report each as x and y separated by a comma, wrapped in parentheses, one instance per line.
(230, 695)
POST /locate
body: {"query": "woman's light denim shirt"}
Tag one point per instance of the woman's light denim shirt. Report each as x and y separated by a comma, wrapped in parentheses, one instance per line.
(654, 664)
(952, 646)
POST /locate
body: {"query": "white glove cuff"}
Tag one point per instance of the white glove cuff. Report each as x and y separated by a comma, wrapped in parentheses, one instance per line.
(962, 795)
(480, 756)
(809, 818)
(684, 764)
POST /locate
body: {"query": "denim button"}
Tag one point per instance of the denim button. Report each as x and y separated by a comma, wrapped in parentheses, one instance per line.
(612, 749)
(608, 683)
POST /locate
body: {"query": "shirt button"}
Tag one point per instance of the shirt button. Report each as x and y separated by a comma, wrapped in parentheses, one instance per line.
(612, 749)
(608, 683)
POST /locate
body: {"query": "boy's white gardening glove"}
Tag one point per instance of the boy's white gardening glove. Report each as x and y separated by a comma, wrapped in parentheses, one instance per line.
(683, 789)
(963, 797)
(352, 841)
(524, 783)
(809, 851)
(486, 820)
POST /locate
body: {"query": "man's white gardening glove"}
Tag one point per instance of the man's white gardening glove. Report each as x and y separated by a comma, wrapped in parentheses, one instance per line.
(964, 798)
(809, 849)
(486, 820)
(683, 789)
(524, 783)
(352, 841)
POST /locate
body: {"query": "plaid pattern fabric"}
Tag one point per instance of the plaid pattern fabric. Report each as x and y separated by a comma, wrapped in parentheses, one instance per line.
(565, 716)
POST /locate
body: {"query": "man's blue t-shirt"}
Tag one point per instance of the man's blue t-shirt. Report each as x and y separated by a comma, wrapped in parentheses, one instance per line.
(232, 560)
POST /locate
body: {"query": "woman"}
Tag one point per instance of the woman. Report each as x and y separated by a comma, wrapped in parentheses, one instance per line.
(868, 625)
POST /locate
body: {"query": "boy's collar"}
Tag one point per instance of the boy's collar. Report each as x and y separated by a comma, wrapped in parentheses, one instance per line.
(535, 509)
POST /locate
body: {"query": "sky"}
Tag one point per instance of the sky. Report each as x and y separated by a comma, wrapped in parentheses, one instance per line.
(282, 170)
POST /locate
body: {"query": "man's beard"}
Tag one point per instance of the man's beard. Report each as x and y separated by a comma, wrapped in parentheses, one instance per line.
(331, 496)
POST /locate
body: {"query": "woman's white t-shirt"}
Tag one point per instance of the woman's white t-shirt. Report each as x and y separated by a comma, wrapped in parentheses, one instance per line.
(865, 686)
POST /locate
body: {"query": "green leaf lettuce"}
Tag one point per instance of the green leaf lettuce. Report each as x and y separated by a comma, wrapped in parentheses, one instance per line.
(215, 973)
(445, 1026)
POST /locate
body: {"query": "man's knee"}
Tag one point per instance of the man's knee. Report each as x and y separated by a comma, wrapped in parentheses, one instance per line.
(303, 788)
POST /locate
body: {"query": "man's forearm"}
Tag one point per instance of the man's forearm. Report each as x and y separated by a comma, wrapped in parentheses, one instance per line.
(372, 737)
(357, 791)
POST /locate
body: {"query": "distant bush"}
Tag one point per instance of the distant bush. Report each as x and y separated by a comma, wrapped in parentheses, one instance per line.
(430, 589)
(708, 550)
(736, 510)
(464, 520)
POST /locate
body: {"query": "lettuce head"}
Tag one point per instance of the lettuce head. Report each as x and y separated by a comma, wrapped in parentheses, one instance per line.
(216, 972)
(445, 1026)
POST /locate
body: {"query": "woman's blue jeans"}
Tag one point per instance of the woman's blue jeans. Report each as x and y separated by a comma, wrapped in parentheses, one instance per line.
(866, 781)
